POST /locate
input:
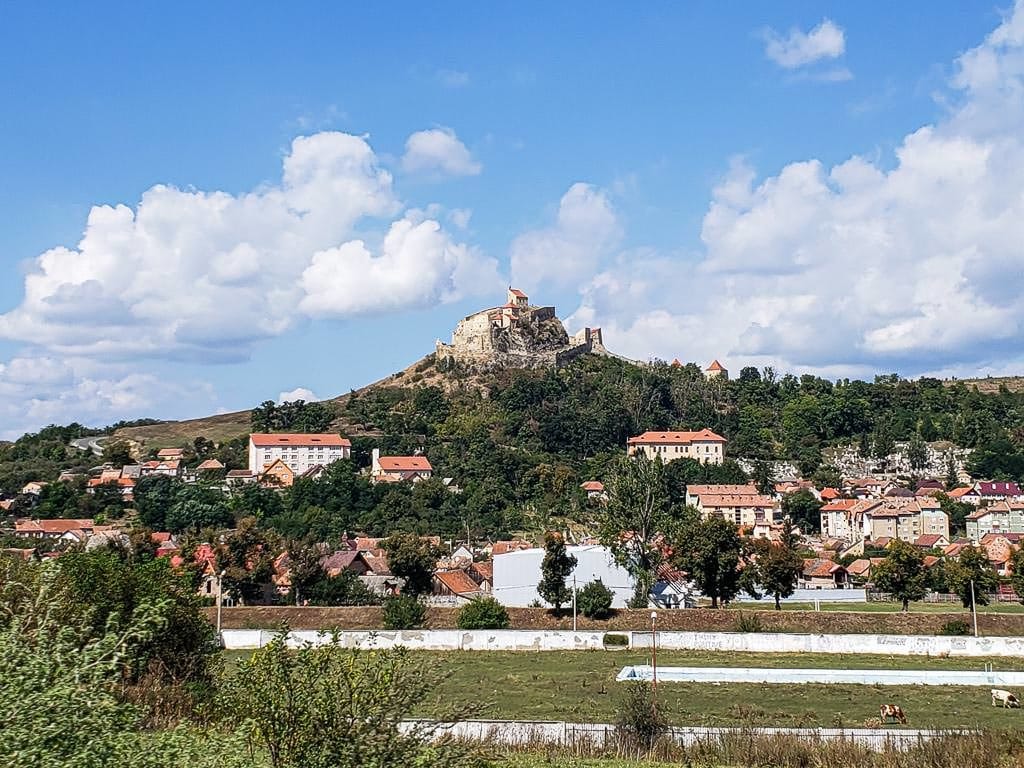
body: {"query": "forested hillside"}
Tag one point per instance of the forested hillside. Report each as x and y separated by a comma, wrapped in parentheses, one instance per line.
(517, 443)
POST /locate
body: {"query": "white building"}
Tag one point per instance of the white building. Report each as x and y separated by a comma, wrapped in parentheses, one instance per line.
(299, 452)
(517, 574)
(704, 446)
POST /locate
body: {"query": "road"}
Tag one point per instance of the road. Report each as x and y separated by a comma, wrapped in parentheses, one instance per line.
(93, 444)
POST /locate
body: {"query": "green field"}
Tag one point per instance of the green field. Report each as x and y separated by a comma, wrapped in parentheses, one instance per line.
(580, 686)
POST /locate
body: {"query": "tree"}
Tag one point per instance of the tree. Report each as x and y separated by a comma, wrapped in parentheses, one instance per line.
(595, 600)
(803, 509)
(972, 568)
(917, 453)
(154, 495)
(710, 551)
(952, 475)
(483, 613)
(827, 476)
(246, 556)
(763, 476)
(956, 511)
(882, 442)
(637, 519)
(778, 565)
(328, 706)
(413, 560)
(117, 453)
(555, 568)
(343, 589)
(902, 573)
(1017, 574)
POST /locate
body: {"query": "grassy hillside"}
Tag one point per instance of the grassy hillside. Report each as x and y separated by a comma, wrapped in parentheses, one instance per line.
(991, 385)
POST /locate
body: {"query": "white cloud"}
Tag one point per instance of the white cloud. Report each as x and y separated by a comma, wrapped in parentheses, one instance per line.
(452, 78)
(864, 266)
(438, 150)
(798, 48)
(205, 275)
(586, 230)
(299, 393)
(418, 265)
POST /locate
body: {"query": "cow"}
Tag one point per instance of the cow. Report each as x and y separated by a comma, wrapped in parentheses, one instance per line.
(892, 712)
(1005, 699)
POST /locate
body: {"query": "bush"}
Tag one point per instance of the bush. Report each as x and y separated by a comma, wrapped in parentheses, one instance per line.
(615, 640)
(403, 612)
(595, 600)
(483, 613)
(343, 589)
(749, 623)
(639, 722)
(955, 627)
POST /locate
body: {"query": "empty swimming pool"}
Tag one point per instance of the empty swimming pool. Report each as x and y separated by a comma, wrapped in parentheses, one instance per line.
(855, 676)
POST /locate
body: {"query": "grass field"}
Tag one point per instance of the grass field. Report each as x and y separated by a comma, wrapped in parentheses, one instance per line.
(580, 686)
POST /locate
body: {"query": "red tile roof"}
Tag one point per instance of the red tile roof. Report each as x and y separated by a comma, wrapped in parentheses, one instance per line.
(715, 366)
(957, 493)
(405, 464)
(820, 568)
(827, 494)
(517, 293)
(457, 582)
(675, 438)
(839, 505)
(266, 441)
(595, 486)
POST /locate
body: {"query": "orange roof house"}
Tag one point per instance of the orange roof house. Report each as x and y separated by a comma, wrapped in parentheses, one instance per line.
(394, 469)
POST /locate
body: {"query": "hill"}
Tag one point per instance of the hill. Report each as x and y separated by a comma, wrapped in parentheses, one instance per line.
(990, 385)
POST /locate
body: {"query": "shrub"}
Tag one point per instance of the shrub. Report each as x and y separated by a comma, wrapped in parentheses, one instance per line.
(749, 623)
(483, 613)
(615, 640)
(595, 600)
(403, 612)
(639, 723)
(955, 627)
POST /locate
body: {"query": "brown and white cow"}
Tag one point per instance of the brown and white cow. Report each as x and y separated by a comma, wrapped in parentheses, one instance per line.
(1005, 699)
(892, 712)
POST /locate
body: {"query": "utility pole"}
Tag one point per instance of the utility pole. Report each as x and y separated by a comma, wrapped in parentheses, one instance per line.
(653, 654)
(974, 609)
(574, 602)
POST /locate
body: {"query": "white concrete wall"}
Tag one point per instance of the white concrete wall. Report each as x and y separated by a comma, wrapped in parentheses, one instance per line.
(829, 676)
(889, 645)
(513, 732)
(517, 574)
(810, 595)
(745, 642)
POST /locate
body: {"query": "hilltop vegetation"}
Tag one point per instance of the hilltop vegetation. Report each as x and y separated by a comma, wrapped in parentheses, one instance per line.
(517, 443)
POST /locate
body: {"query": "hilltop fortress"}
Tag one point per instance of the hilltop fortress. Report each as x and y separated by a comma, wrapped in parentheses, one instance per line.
(517, 335)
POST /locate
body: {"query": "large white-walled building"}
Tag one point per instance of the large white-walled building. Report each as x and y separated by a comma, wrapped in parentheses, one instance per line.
(705, 446)
(517, 574)
(299, 452)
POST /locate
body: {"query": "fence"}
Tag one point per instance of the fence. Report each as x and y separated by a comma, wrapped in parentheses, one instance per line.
(776, 675)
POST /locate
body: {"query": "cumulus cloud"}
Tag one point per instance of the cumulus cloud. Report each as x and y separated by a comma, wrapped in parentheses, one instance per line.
(205, 275)
(585, 231)
(439, 151)
(299, 393)
(907, 264)
(799, 48)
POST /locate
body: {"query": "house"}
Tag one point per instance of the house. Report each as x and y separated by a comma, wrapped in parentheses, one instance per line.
(277, 475)
(33, 488)
(344, 560)
(999, 548)
(829, 494)
(897, 518)
(314, 473)
(168, 467)
(868, 487)
(704, 446)
(931, 541)
(210, 465)
(860, 569)
(457, 584)
(41, 529)
(171, 454)
(239, 477)
(1000, 517)
(716, 371)
(594, 490)
(511, 545)
(125, 484)
(819, 573)
(483, 574)
(999, 491)
(966, 494)
(745, 511)
(298, 452)
(395, 469)
(835, 519)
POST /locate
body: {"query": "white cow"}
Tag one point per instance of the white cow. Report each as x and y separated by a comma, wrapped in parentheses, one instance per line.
(1005, 699)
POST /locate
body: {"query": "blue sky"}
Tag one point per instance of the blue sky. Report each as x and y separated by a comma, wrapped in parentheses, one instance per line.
(825, 187)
